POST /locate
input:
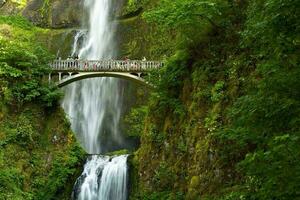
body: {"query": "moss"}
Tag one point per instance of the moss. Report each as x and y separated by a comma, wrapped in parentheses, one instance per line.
(155, 44)
(20, 3)
(118, 153)
(50, 148)
(57, 41)
(195, 181)
(45, 12)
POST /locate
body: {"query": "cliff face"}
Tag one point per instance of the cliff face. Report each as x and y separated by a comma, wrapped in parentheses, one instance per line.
(46, 13)
(54, 13)
(60, 19)
(210, 130)
(137, 38)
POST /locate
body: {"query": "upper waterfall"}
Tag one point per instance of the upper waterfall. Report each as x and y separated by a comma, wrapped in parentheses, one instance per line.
(94, 106)
(99, 42)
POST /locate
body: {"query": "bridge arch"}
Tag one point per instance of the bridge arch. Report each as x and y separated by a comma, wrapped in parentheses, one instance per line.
(69, 71)
(86, 75)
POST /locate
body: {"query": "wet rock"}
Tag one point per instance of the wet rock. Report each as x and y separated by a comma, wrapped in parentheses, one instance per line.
(33, 11)
(55, 14)
(66, 13)
(2, 2)
(8, 8)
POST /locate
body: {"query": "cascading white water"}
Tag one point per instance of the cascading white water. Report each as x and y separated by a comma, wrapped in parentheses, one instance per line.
(110, 176)
(94, 107)
(79, 35)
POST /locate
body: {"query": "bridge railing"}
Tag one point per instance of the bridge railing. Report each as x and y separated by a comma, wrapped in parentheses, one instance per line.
(105, 65)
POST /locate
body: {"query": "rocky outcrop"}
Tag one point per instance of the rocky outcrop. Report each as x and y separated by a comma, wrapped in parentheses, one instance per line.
(46, 13)
(54, 13)
(2, 2)
(67, 13)
(8, 7)
(33, 11)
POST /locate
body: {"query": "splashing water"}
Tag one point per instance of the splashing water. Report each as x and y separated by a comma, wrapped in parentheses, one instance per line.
(110, 177)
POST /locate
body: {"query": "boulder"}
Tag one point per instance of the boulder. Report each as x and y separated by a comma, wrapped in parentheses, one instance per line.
(33, 11)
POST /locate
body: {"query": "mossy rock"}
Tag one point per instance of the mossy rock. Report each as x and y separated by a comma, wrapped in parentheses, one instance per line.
(192, 194)
(195, 182)
(9, 7)
(54, 14)
(118, 153)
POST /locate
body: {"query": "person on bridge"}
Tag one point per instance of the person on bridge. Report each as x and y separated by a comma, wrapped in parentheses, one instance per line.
(127, 62)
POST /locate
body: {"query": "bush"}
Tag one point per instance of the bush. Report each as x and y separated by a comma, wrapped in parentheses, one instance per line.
(23, 63)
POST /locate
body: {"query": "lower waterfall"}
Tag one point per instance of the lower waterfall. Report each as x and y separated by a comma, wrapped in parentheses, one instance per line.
(103, 178)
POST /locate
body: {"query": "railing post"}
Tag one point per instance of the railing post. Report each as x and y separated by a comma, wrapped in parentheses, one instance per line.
(59, 76)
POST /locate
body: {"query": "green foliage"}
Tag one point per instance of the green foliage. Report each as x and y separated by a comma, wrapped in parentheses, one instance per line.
(11, 180)
(274, 173)
(217, 91)
(188, 20)
(156, 136)
(239, 80)
(182, 14)
(134, 5)
(163, 177)
(171, 77)
(166, 195)
(136, 121)
(63, 167)
(118, 153)
(264, 123)
(23, 63)
(32, 165)
(16, 21)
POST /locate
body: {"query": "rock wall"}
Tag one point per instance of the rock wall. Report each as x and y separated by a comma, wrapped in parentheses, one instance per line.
(137, 38)
(46, 13)
(54, 13)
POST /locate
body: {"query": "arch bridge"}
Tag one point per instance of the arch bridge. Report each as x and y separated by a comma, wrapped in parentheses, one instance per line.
(69, 71)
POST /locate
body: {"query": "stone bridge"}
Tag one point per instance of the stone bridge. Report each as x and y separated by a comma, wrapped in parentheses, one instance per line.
(68, 71)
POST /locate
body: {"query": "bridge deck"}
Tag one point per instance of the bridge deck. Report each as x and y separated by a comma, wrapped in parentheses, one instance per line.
(104, 65)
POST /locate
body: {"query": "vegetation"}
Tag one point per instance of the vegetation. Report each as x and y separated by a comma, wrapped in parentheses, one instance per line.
(38, 152)
(223, 122)
(23, 62)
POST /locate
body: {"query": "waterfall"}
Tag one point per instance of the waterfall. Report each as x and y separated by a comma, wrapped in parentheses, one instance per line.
(94, 107)
(110, 174)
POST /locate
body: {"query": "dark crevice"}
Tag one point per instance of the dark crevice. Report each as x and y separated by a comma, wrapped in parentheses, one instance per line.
(131, 14)
(2, 3)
